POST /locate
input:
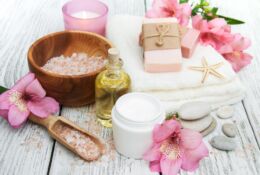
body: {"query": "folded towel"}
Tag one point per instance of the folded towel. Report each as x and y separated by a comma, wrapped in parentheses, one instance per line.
(177, 87)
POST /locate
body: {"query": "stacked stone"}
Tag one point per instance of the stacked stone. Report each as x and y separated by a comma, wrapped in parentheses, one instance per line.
(196, 116)
(227, 142)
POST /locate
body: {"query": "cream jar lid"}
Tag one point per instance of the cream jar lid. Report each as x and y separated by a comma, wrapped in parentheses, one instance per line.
(138, 109)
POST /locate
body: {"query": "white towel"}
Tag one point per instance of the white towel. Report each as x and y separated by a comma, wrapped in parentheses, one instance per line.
(175, 88)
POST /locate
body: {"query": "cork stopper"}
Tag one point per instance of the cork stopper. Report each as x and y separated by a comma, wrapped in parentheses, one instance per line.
(113, 55)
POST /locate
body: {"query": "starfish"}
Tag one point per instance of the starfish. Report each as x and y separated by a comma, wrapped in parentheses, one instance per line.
(208, 69)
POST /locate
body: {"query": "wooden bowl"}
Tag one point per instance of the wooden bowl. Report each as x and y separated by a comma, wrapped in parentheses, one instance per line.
(68, 90)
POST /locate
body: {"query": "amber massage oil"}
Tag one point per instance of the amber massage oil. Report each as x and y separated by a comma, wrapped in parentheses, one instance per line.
(110, 85)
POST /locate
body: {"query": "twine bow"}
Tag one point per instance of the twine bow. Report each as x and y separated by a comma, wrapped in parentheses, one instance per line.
(162, 31)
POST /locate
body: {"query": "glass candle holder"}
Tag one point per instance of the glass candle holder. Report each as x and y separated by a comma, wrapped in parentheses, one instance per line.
(85, 15)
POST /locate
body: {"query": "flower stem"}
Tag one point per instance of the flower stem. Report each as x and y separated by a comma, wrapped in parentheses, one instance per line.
(203, 8)
(2, 89)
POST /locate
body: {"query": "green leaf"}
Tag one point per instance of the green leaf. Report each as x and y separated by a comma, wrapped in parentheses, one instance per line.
(205, 3)
(214, 11)
(207, 17)
(195, 10)
(231, 21)
(183, 1)
(171, 115)
(2, 89)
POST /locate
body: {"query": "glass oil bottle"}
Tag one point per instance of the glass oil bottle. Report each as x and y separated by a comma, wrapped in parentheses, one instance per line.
(109, 86)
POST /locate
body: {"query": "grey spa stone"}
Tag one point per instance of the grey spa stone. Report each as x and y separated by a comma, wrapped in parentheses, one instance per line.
(197, 125)
(223, 143)
(194, 110)
(229, 129)
(225, 112)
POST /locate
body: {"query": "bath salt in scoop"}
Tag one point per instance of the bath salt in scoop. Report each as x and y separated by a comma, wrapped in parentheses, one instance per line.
(27, 97)
(79, 141)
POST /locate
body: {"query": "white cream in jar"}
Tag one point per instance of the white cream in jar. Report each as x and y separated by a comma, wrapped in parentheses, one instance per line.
(133, 118)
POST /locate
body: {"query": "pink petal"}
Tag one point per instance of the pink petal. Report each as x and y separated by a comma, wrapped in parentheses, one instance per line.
(225, 49)
(191, 158)
(184, 21)
(170, 8)
(43, 107)
(157, 10)
(170, 167)
(215, 33)
(190, 139)
(170, 4)
(23, 82)
(226, 37)
(153, 154)
(16, 117)
(35, 88)
(217, 22)
(4, 100)
(155, 166)
(246, 59)
(165, 130)
(183, 14)
(238, 60)
(186, 9)
(207, 40)
(4, 113)
(197, 22)
(240, 43)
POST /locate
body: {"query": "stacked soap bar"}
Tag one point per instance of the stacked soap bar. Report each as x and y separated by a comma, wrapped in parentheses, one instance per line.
(189, 41)
(165, 43)
(161, 43)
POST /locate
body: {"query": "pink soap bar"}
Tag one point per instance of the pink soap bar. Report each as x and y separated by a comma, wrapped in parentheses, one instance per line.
(169, 60)
(189, 42)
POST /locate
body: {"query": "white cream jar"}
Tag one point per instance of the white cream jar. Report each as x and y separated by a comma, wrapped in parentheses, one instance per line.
(133, 118)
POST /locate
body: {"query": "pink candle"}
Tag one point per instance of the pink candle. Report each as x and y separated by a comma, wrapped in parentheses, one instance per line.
(85, 15)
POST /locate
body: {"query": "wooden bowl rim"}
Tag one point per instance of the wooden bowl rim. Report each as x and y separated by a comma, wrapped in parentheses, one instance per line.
(32, 62)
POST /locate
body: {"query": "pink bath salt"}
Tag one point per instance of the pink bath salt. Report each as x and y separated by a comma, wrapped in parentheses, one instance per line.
(76, 64)
(81, 143)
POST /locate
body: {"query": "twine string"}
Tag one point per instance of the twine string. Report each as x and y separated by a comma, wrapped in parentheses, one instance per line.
(162, 31)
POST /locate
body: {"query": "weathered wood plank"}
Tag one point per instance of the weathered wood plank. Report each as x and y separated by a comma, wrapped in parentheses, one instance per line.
(111, 163)
(243, 160)
(26, 150)
(248, 11)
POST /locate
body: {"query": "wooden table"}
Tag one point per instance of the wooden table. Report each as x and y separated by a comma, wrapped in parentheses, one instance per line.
(30, 151)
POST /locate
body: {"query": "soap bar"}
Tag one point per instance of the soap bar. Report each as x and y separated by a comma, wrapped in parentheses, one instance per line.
(189, 41)
(172, 61)
(161, 44)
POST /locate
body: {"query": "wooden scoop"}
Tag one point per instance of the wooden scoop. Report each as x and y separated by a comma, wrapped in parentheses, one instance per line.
(52, 121)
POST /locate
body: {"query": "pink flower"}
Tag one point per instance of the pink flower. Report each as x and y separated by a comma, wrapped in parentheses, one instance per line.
(174, 148)
(170, 8)
(218, 34)
(233, 52)
(215, 32)
(26, 96)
